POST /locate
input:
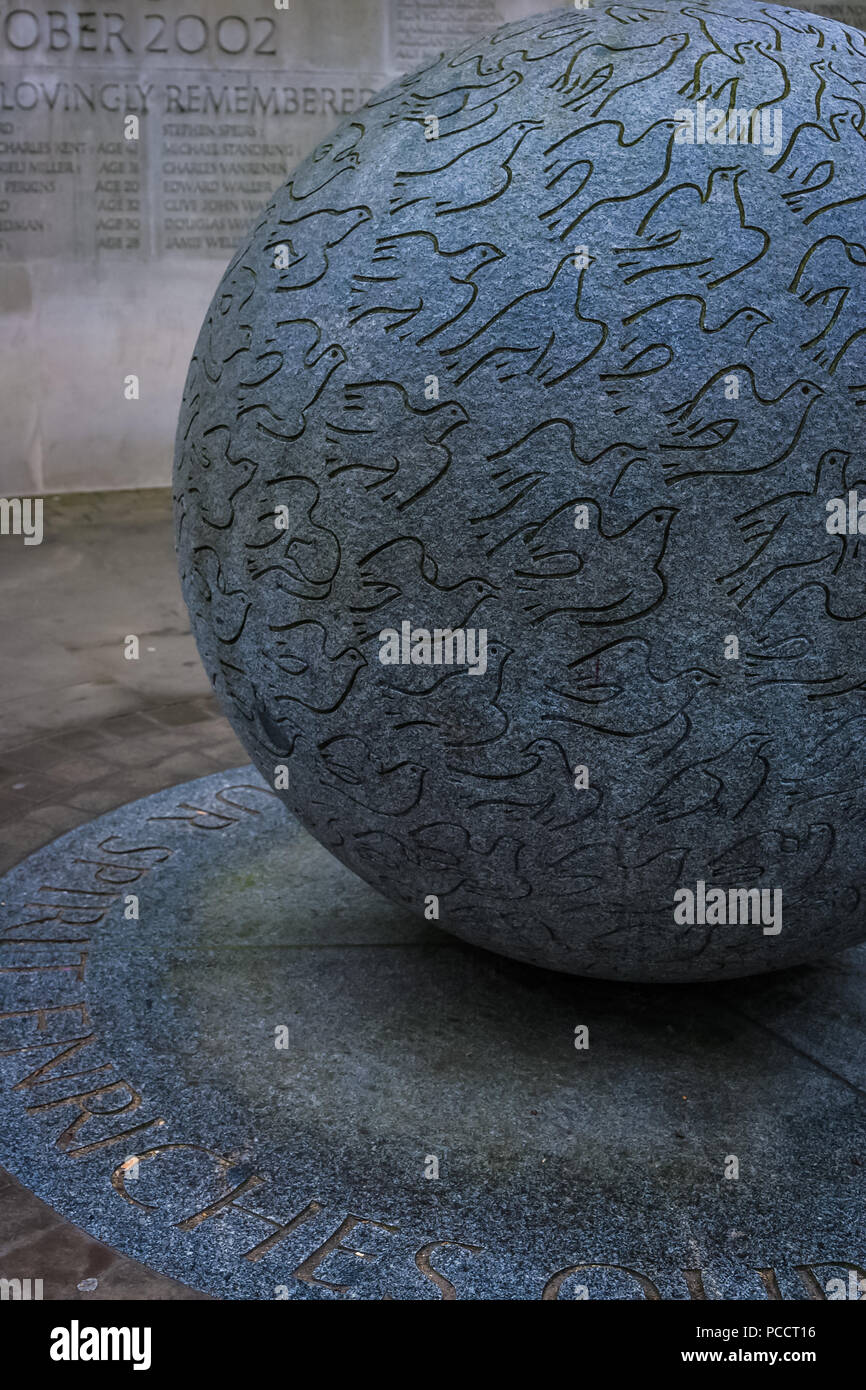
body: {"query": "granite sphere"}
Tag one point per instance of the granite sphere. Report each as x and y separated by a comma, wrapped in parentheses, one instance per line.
(518, 490)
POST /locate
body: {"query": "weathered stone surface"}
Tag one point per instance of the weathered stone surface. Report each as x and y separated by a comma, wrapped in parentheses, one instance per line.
(560, 376)
(144, 1096)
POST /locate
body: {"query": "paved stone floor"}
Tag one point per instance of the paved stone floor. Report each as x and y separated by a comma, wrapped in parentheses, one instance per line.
(83, 730)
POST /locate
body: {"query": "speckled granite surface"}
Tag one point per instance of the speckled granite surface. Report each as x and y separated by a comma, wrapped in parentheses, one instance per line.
(567, 379)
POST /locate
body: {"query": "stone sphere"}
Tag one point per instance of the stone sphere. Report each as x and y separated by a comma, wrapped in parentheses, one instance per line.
(518, 485)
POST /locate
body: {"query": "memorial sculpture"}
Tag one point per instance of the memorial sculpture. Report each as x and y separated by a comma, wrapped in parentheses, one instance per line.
(519, 490)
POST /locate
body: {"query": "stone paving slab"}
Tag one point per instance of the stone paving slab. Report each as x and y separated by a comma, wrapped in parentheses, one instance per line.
(565, 1173)
(36, 1243)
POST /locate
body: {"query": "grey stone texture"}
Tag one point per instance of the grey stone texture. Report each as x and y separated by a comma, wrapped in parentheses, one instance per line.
(198, 1145)
(563, 377)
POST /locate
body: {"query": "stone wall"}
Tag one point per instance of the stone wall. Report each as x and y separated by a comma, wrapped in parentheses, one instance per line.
(110, 248)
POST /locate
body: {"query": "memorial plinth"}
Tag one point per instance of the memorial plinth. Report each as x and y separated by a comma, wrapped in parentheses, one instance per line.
(272, 1062)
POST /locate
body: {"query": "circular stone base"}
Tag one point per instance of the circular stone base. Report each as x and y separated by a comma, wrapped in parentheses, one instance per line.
(328, 1098)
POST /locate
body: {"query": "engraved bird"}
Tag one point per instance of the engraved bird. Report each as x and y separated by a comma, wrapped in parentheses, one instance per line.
(690, 360)
(632, 14)
(595, 874)
(674, 331)
(751, 76)
(548, 39)
(821, 166)
(234, 687)
(529, 472)
(541, 790)
(284, 539)
(276, 381)
(789, 534)
(469, 83)
(214, 477)
(723, 30)
(329, 161)
(692, 228)
(439, 848)
(299, 668)
(224, 334)
(747, 435)
(561, 869)
(393, 444)
(838, 90)
(307, 240)
(802, 22)
(798, 647)
(541, 333)
(491, 873)
(585, 573)
(619, 690)
(463, 708)
(456, 109)
(383, 854)
(831, 281)
(441, 845)
(832, 768)
(274, 733)
(599, 71)
(406, 260)
(400, 581)
(472, 179)
(787, 856)
(350, 768)
(586, 164)
(223, 610)
(725, 784)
